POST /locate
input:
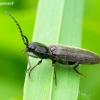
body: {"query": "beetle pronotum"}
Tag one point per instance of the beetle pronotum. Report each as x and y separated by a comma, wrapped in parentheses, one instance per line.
(58, 53)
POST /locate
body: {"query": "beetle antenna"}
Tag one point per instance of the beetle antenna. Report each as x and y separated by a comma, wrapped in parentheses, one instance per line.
(24, 38)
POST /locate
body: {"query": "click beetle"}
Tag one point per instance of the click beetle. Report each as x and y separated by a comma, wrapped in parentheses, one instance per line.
(66, 55)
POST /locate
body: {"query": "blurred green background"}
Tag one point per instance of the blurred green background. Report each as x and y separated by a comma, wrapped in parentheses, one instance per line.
(12, 61)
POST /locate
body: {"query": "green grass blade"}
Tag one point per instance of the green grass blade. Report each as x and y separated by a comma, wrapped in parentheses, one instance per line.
(70, 34)
(83, 96)
(58, 21)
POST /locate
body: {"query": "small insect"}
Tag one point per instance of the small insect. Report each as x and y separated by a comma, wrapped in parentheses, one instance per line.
(66, 55)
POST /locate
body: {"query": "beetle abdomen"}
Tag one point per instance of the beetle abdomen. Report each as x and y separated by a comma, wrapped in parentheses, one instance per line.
(65, 54)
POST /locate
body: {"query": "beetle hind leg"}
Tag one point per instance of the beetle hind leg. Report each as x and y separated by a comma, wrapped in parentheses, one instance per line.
(75, 66)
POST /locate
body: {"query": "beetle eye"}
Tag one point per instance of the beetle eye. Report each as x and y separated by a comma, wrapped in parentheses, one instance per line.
(30, 48)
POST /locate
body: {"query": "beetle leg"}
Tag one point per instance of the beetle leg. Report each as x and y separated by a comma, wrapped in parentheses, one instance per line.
(75, 66)
(29, 64)
(34, 67)
(32, 55)
(55, 77)
(53, 62)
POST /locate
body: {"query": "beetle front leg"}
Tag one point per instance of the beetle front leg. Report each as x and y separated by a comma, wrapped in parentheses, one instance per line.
(34, 67)
(31, 68)
(29, 65)
(75, 66)
(31, 55)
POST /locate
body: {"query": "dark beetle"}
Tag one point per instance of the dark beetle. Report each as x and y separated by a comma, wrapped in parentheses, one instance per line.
(73, 55)
(58, 53)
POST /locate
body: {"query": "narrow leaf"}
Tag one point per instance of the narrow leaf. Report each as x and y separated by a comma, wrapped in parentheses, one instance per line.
(83, 96)
(60, 22)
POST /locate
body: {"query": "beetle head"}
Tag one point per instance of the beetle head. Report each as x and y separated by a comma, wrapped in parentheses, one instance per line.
(39, 49)
(30, 47)
(34, 47)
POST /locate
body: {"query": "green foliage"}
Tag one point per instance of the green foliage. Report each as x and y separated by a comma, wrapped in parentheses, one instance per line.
(13, 62)
(83, 96)
(57, 22)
